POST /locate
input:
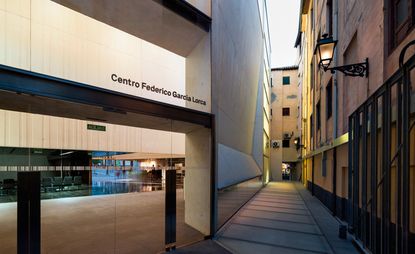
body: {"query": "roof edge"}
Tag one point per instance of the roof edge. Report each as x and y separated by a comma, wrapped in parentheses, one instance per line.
(285, 68)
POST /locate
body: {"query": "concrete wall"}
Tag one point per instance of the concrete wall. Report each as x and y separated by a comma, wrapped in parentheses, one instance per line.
(198, 142)
(198, 73)
(197, 181)
(237, 56)
(204, 6)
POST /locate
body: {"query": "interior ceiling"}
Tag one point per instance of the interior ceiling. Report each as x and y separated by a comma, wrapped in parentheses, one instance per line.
(145, 19)
(141, 156)
(47, 106)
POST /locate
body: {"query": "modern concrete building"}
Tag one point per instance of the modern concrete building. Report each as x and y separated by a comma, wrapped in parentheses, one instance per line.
(357, 146)
(284, 130)
(115, 114)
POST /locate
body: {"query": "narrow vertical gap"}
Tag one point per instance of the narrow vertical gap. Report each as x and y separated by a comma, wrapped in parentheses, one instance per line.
(373, 178)
(363, 192)
(398, 189)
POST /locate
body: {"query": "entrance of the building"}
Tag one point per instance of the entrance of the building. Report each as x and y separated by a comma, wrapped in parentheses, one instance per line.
(288, 170)
(84, 170)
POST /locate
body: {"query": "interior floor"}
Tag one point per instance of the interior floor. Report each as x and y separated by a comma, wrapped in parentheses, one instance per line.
(121, 223)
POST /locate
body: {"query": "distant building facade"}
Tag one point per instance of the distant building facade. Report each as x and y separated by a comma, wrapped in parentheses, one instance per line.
(284, 130)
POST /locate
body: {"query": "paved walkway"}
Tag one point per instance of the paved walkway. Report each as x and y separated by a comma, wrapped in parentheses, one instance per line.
(283, 218)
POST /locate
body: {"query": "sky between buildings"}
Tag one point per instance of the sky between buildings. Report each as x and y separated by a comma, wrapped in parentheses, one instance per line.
(283, 21)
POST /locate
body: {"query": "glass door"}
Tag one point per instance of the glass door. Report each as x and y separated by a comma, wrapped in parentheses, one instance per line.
(102, 176)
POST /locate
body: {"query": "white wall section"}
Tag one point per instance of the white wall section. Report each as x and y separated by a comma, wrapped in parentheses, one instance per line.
(19, 129)
(45, 37)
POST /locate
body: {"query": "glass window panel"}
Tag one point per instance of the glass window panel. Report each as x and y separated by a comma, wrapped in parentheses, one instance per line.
(401, 12)
(285, 111)
(286, 80)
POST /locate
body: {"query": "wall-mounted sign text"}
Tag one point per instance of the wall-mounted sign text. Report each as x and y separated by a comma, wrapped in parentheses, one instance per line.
(154, 89)
(95, 127)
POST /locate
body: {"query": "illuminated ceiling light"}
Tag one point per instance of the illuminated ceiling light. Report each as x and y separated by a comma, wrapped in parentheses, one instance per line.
(63, 154)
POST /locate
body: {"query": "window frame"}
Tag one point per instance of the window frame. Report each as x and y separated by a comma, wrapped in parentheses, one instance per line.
(286, 143)
(397, 32)
(312, 74)
(329, 99)
(284, 80)
(311, 125)
(284, 112)
(318, 115)
(329, 12)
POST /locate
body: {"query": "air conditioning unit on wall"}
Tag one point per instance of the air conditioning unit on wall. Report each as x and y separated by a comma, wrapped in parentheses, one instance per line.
(287, 135)
(275, 144)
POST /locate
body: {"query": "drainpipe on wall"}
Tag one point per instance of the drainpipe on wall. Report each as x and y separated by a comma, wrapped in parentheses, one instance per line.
(336, 101)
(335, 125)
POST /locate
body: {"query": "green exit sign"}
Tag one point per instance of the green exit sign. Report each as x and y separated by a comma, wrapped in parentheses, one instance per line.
(95, 127)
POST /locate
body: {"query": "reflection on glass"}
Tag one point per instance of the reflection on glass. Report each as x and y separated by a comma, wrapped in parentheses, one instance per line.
(82, 173)
(108, 198)
(102, 189)
(12, 160)
(77, 192)
(8, 209)
(232, 198)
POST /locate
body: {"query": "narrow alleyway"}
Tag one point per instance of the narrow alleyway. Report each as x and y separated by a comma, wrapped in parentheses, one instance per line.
(283, 218)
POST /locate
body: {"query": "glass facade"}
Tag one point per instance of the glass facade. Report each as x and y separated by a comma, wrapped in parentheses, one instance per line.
(94, 200)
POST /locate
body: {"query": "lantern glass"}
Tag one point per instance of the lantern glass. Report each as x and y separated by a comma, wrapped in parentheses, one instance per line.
(326, 54)
(325, 51)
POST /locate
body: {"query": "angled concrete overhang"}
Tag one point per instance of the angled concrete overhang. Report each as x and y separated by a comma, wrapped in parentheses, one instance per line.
(174, 25)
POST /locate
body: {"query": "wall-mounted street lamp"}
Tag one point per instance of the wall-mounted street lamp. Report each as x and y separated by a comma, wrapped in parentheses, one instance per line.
(297, 143)
(325, 51)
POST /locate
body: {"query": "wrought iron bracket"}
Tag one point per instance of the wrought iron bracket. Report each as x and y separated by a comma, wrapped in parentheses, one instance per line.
(355, 70)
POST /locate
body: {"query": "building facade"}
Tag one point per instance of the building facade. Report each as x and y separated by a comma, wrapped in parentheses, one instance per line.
(284, 131)
(378, 31)
(101, 102)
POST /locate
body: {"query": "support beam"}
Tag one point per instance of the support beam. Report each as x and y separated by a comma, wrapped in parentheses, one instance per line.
(28, 213)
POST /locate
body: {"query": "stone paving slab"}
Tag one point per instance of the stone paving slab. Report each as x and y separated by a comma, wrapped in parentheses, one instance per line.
(203, 247)
(245, 247)
(274, 237)
(280, 200)
(282, 205)
(277, 209)
(277, 216)
(327, 223)
(276, 194)
(273, 224)
(278, 220)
